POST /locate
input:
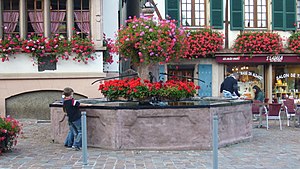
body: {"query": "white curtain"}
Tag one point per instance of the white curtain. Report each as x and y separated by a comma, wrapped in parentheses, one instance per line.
(36, 19)
(10, 20)
(57, 17)
(83, 16)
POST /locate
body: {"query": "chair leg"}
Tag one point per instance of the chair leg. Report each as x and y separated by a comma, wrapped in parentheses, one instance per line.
(280, 123)
(287, 118)
(267, 119)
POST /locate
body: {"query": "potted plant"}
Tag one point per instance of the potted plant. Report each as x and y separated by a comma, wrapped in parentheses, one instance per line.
(9, 131)
(8, 46)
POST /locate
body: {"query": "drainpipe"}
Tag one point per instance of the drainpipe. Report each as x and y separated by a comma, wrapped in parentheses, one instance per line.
(226, 26)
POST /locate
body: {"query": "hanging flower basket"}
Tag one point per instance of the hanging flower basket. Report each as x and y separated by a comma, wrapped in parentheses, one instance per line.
(258, 42)
(146, 41)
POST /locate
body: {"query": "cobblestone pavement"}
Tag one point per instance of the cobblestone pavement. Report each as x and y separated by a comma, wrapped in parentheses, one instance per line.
(272, 149)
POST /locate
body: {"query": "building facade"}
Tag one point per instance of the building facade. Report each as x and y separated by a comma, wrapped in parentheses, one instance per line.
(276, 74)
(20, 77)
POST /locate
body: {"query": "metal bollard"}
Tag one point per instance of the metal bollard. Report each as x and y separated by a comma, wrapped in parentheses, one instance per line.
(215, 141)
(84, 138)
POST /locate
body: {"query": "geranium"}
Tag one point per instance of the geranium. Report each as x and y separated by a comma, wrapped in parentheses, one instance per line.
(38, 46)
(204, 42)
(145, 41)
(9, 131)
(258, 42)
(137, 88)
(83, 47)
(294, 42)
(114, 89)
(9, 46)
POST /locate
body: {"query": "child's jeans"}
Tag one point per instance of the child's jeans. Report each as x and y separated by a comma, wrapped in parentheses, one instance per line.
(77, 133)
(70, 137)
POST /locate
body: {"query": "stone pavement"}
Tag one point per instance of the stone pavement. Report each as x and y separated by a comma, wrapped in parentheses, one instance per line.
(272, 149)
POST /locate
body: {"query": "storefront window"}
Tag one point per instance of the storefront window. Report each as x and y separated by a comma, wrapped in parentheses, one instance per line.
(250, 76)
(286, 81)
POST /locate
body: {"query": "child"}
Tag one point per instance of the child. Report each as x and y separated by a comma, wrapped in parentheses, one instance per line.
(71, 107)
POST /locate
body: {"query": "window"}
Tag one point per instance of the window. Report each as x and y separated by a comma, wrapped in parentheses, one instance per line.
(181, 72)
(82, 17)
(10, 17)
(250, 75)
(255, 13)
(58, 17)
(193, 13)
(35, 16)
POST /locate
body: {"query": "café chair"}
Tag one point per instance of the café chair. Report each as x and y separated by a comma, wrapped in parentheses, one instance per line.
(290, 109)
(274, 114)
(257, 106)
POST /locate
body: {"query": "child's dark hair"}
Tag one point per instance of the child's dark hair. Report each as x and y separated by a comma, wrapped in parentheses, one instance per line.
(68, 91)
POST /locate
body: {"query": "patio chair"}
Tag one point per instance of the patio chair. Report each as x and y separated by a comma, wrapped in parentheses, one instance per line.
(290, 109)
(274, 114)
(258, 106)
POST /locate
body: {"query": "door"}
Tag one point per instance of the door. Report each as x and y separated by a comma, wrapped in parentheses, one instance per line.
(205, 74)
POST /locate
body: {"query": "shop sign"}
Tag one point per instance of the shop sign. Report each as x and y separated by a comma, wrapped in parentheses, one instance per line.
(252, 74)
(274, 58)
(259, 59)
(286, 75)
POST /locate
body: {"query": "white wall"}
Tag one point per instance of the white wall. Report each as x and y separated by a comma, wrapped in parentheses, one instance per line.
(110, 27)
(23, 63)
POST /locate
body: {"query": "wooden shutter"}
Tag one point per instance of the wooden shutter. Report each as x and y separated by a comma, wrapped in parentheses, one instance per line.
(278, 13)
(290, 15)
(172, 9)
(216, 8)
(236, 15)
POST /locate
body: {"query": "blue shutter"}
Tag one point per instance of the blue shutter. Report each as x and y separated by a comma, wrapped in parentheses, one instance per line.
(290, 14)
(236, 15)
(278, 14)
(205, 74)
(216, 8)
(172, 10)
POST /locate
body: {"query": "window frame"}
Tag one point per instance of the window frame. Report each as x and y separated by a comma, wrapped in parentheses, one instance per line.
(64, 22)
(18, 21)
(35, 10)
(78, 30)
(193, 14)
(255, 15)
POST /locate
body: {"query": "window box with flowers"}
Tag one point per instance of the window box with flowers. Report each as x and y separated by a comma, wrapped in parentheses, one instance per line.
(204, 42)
(258, 42)
(9, 131)
(294, 42)
(50, 50)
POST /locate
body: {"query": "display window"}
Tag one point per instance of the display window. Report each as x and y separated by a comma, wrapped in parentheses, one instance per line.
(250, 75)
(286, 81)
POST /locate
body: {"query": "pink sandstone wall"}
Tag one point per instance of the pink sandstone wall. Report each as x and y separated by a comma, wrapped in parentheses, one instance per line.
(168, 129)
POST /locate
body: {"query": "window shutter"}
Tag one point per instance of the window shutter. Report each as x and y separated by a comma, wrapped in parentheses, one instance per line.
(172, 10)
(278, 10)
(216, 8)
(236, 15)
(290, 15)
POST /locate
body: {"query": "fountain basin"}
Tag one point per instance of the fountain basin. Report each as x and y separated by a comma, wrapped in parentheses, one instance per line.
(181, 125)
